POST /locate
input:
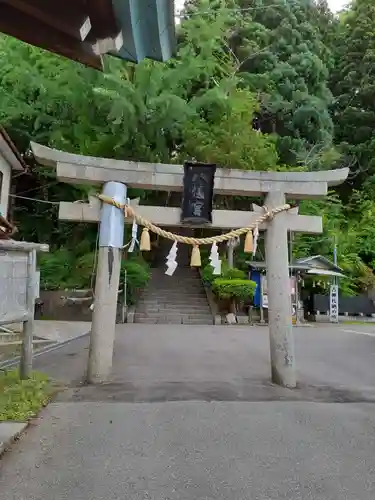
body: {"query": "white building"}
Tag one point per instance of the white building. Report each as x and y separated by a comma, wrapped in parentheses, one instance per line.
(11, 164)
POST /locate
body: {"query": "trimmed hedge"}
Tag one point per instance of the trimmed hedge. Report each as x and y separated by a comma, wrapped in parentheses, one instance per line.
(226, 273)
(234, 289)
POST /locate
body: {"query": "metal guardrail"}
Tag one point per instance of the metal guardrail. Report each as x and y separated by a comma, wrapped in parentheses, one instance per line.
(8, 363)
(18, 283)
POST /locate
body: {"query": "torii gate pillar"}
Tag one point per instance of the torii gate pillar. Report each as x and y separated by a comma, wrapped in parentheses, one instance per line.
(277, 186)
(279, 304)
(111, 241)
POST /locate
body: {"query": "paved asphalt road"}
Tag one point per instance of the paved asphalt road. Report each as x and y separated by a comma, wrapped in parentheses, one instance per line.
(161, 363)
(191, 415)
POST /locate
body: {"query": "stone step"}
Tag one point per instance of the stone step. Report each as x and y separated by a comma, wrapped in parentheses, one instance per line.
(170, 310)
(180, 271)
(177, 317)
(174, 320)
(189, 289)
(177, 286)
(173, 293)
(173, 310)
(162, 322)
(182, 301)
(175, 299)
(186, 292)
(175, 277)
(166, 277)
(179, 299)
(157, 304)
(192, 321)
(169, 286)
(155, 294)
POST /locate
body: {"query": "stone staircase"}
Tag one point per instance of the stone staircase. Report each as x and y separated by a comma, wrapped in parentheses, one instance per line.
(177, 299)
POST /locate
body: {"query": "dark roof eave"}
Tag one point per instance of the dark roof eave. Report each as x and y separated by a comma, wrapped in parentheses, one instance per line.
(91, 29)
(10, 152)
(333, 266)
(153, 36)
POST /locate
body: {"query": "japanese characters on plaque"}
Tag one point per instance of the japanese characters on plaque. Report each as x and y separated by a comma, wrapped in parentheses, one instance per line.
(198, 193)
(334, 304)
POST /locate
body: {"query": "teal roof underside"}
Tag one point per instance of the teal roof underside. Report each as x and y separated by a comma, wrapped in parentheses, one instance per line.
(148, 29)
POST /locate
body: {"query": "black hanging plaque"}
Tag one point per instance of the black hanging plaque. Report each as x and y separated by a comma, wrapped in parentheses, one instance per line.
(198, 193)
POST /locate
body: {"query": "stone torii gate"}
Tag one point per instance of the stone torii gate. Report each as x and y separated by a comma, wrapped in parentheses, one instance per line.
(115, 175)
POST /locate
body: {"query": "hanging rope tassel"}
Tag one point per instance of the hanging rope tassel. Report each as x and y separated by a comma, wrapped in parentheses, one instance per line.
(145, 245)
(126, 215)
(171, 260)
(215, 260)
(195, 260)
(134, 240)
(249, 245)
(255, 240)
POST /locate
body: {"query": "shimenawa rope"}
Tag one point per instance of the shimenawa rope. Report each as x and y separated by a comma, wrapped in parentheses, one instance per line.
(130, 212)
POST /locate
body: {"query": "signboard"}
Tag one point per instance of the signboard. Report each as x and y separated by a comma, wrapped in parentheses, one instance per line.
(264, 291)
(334, 304)
(265, 301)
(198, 193)
(13, 286)
(293, 296)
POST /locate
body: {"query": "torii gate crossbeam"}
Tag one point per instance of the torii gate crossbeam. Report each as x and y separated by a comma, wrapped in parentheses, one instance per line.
(276, 186)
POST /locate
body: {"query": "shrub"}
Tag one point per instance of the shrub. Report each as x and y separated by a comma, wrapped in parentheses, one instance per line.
(55, 269)
(205, 255)
(137, 277)
(207, 275)
(226, 273)
(238, 290)
(61, 269)
(233, 274)
(83, 273)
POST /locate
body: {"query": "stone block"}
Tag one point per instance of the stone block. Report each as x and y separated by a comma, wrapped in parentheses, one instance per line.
(231, 319)
(217, 319)
(242, 320)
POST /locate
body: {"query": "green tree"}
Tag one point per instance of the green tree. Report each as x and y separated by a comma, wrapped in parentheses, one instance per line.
(286, 64)
(146, 112)
(349, 227)
(352, 83)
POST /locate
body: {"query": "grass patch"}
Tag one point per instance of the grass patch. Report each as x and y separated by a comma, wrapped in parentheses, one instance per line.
(21, 400)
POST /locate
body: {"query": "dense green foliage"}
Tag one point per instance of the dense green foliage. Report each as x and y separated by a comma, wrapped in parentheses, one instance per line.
(284, 62)
(137, 277)
(227, 273)
(257, 84)
(237, 289)
(290, 72)
(66, 269)
(22, 399)
(353, 86)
